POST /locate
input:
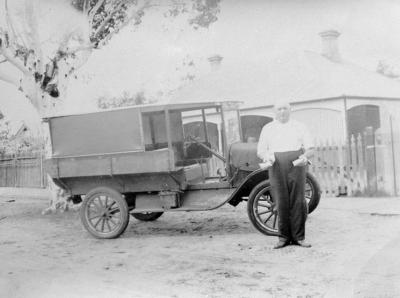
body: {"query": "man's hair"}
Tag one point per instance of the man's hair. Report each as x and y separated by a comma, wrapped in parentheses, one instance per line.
(280, 103)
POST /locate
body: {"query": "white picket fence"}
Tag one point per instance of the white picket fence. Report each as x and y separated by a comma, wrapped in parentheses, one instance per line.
(340, 168)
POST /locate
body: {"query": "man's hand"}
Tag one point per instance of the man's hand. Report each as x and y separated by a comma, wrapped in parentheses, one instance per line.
(270, 158)
(301, 161)
(268, 161)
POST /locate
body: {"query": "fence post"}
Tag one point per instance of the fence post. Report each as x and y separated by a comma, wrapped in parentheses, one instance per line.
(393, 156)
(335, 166)
(322, 167)
(361, 164)
(370, 160)
(341, 167)
(15, 164)
(41, 170)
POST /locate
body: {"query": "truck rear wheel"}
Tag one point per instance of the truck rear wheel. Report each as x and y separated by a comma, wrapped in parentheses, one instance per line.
(262, 209)
(147, 216)
(312, 192)
(104, 213)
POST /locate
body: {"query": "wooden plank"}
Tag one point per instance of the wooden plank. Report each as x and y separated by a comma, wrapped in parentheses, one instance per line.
(323, 169)
(348, 168)
(330, 169)
(127, 183)
(335, 167)
(143, 162)
(87, 166)
(341, 165)
(362, 175)
(125, 163)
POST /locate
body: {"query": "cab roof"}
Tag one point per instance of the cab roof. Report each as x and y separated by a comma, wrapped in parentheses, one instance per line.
(158, 107)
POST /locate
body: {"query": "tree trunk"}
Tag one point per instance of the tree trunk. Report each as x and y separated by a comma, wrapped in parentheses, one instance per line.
(46, 107)
(58, 196)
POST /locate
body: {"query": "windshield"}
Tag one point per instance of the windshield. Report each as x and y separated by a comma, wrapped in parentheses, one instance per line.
(232, 123)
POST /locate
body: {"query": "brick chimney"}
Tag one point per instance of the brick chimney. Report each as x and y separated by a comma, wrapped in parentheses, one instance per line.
(215, 61)
(330, 48)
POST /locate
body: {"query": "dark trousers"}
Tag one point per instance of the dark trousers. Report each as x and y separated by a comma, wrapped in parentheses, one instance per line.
(288, 190)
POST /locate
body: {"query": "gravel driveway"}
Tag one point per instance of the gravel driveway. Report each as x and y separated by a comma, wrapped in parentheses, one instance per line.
(201, 254)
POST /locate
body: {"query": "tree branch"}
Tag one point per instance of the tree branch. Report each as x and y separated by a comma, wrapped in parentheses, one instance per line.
(95, 8)
(10, 58)
(63, 44)
(34, 35)
(10, 24)
(9, 21)
(107, 19)
(79, 49)
(135, 15)
(6, 78)
(85, 7)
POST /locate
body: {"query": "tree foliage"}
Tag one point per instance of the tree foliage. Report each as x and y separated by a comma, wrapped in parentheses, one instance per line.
(14, 142)
(125, 100)
(42, 71)
(388, 69)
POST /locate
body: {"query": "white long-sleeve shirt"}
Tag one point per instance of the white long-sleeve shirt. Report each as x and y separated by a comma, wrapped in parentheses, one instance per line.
(282, 137)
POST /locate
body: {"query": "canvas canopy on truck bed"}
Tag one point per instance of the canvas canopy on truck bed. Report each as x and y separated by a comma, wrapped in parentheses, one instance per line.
(123, 141)
(96, 133)
(109, 131)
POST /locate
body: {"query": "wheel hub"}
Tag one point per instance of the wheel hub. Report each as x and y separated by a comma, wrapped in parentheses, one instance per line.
(106, 213)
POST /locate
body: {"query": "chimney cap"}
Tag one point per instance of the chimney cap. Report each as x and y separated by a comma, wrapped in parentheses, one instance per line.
(215, 58)
(329, 33)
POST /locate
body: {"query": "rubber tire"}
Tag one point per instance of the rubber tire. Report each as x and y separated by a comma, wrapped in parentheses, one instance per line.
(259, 187)
(312, 204)
(121, 204)
(150, 216)
(314, 201)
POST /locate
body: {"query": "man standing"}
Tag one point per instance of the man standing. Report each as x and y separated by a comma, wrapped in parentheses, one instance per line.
(281, 142)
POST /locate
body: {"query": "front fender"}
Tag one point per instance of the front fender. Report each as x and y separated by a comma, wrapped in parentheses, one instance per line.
(244, 189)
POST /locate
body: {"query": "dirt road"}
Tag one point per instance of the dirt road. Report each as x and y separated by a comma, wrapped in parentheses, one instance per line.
(202, 254)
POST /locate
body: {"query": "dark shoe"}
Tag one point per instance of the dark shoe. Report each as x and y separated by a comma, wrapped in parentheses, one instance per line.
(281, 244)
(302, 243)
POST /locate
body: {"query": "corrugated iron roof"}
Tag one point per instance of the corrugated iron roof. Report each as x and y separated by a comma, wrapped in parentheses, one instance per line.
(295, 76)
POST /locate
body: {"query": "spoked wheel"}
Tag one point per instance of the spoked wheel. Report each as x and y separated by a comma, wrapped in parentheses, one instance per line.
(262, 210)
(147, 216)
(104, 213)
(312, 192)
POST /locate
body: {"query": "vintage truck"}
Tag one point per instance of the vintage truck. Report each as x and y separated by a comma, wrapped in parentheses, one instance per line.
(146, 160)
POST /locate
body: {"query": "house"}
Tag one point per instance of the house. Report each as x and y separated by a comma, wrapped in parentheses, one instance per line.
(15, 134)
(333, 97)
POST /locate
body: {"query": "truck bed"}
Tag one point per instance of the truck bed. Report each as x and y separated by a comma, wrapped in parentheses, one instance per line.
(111, 164)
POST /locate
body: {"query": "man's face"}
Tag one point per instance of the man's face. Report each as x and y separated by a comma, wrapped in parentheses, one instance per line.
(282, 112)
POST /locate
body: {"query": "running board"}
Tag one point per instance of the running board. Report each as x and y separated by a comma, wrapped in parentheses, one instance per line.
(195, 200)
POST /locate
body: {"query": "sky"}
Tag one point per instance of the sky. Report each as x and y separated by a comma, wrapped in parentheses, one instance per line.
(150, 58)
